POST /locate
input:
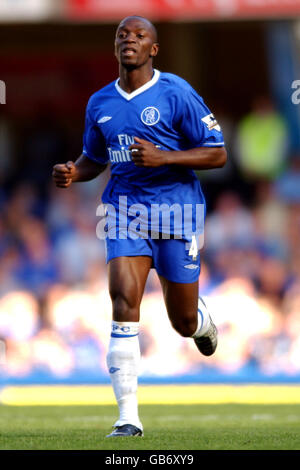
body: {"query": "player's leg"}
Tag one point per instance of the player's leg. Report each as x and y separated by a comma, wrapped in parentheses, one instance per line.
(189, 315)
(179, 271)
(127, 278)
(181, 302)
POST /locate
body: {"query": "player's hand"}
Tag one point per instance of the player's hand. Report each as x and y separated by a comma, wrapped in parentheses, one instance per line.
(144, 153)
(63, 174)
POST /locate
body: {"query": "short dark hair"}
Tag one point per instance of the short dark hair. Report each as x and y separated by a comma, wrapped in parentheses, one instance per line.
(151, 25)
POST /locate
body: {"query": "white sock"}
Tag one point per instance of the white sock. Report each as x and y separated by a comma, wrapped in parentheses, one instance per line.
(203, 319)
(123, 363)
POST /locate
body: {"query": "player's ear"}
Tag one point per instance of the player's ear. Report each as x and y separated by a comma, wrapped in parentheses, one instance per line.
(115, 50)
(154, 49)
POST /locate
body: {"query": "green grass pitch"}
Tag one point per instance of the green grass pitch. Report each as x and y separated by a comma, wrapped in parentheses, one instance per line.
(166, 427)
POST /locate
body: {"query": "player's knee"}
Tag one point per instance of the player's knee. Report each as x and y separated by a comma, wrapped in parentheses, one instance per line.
(186, 326)
(123, 309)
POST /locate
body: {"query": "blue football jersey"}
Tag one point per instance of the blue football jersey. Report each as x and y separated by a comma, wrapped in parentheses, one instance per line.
(166, 111)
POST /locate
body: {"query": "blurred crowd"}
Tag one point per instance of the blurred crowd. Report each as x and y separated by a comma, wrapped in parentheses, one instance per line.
(55, 310)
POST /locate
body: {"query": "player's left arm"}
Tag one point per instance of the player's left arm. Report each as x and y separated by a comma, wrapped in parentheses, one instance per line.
(199, 128)
(146, 154)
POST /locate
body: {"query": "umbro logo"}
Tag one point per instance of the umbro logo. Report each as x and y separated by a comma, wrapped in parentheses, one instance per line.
(191, 266)
(104, 119)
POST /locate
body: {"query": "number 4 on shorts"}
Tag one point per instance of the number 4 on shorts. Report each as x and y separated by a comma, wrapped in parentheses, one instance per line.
(194, 248)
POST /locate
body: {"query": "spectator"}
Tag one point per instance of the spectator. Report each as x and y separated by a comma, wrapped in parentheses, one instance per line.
(262, 141)
(231, 224)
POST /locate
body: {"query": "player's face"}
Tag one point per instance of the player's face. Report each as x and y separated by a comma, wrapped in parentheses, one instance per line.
(135, 43)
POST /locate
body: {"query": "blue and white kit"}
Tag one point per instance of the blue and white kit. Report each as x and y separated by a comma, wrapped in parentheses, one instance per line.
(168, 112)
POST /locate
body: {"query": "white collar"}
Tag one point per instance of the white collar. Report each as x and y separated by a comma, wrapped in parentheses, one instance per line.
(141, 89)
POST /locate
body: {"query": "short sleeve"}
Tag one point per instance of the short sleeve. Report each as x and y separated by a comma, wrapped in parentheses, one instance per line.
(93, 140)
(197, 122)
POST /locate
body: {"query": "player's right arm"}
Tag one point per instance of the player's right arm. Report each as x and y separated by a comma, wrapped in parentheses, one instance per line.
(83, 169)
(93, 159)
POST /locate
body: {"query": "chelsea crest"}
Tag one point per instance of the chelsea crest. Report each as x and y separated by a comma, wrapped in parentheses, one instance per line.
(150, 116)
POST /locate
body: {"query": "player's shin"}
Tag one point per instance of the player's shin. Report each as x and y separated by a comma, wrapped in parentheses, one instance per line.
(123, 363)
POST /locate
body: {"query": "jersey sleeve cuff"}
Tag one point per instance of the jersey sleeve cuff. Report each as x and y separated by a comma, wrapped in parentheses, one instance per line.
(213, 144)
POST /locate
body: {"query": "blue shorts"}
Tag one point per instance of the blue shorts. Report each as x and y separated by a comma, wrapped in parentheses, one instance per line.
(170, 257)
